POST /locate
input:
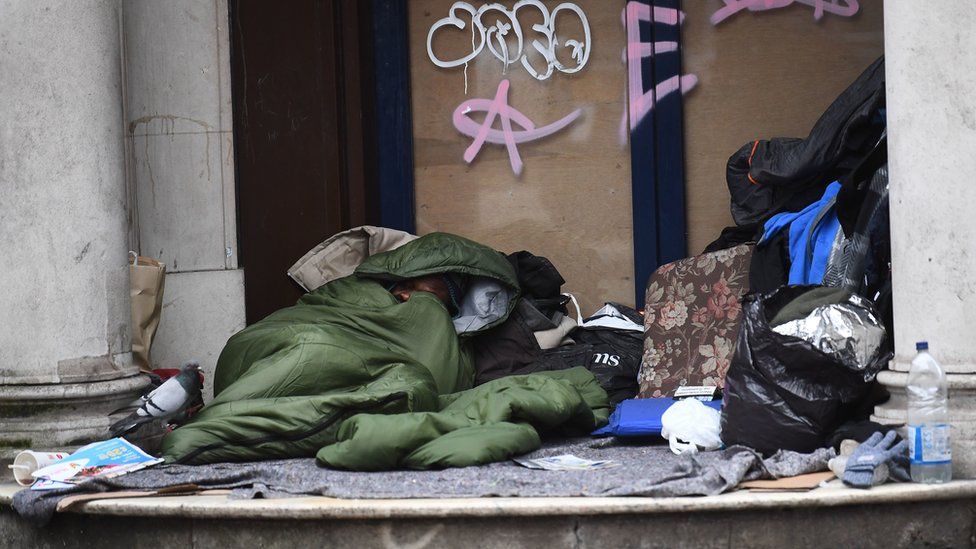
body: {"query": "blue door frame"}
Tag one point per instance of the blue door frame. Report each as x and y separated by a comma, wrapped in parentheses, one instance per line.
(394, 125)
(657, 160)
(656, 143)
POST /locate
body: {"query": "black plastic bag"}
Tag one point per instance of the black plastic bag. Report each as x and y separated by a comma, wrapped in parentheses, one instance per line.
(612, 355)
(615, 360)
(782, 393)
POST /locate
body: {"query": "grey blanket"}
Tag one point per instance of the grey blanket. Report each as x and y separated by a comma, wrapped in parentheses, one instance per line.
(644, 471)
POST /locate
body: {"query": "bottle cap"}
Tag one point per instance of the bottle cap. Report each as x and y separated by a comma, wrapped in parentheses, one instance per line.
(922, 346)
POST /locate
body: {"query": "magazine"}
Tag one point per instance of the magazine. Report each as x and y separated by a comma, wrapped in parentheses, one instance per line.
(109, 458)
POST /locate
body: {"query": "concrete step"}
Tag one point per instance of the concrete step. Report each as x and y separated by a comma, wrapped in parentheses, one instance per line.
(894, 515)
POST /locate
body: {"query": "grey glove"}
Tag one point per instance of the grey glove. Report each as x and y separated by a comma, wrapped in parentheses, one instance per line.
(870, 455)
(900, 465)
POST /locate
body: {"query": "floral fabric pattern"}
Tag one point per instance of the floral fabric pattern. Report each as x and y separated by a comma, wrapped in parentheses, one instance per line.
(691, 320)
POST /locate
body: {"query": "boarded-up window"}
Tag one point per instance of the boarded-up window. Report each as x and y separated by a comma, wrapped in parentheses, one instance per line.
(572, 201)
(761, 74)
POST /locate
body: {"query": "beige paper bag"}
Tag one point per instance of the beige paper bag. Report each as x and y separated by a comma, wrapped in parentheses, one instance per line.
(146, 280)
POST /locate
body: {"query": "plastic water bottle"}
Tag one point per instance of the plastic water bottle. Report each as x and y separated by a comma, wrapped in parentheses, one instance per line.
(928, 419)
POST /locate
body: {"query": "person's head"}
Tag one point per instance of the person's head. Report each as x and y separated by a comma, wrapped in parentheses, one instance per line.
(433, 284)
(448, 288)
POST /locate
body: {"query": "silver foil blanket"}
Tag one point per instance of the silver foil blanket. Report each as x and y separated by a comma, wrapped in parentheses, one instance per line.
(848, 332)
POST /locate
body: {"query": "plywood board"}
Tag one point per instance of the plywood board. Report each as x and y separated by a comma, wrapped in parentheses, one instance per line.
(760, 75)
(572, 201)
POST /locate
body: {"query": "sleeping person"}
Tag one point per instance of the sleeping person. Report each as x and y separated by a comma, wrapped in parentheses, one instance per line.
(375, 371)
(389, 338)
(448, 287)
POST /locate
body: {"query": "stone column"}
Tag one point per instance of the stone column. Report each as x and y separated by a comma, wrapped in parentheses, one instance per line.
(930, 50)
(65, 359)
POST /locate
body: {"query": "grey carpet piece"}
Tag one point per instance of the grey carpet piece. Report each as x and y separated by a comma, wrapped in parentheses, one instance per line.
(645, 470)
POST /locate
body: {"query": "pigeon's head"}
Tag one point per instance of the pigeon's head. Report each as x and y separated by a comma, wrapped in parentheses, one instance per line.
(190, 376)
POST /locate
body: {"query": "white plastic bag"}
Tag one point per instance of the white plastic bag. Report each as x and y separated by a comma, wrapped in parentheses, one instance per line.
(689, 425)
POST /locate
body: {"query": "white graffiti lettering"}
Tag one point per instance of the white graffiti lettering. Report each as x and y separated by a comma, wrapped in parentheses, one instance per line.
(503, 22)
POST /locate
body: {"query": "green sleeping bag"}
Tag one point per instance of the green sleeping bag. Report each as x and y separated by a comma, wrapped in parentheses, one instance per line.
(350, 358)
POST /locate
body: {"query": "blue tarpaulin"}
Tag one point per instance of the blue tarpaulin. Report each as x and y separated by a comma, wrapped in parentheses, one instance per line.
(641, 417)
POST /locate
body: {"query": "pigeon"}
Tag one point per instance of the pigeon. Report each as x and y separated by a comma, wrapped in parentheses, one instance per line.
(168, 400)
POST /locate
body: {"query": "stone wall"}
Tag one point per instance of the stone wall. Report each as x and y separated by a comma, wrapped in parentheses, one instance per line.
(180, 159)
(115, 134)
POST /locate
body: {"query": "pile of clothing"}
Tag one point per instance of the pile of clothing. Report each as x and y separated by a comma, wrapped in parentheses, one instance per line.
(817, 208)
(814, 327)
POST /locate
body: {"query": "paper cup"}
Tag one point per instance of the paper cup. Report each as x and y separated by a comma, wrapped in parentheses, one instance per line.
(29, 461)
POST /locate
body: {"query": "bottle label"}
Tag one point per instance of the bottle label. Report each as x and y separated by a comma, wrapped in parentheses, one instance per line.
(929, 444)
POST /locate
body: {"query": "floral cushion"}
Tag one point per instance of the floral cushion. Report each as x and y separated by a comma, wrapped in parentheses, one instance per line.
(691, 320)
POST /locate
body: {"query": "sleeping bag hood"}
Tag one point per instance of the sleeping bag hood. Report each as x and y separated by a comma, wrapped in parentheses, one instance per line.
(493, 288)
(284, 385)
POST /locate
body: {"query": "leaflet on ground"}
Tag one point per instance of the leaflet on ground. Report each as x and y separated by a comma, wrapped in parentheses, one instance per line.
(565, 462)
(109, 458)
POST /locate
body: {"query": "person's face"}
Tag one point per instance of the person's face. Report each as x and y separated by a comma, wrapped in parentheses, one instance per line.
(433, 284)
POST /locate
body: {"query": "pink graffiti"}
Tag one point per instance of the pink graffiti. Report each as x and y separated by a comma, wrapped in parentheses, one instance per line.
(843, 8)
(506, 135)
(641, 102)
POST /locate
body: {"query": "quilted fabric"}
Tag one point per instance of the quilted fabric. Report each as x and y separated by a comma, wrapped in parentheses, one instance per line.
(691, 320)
